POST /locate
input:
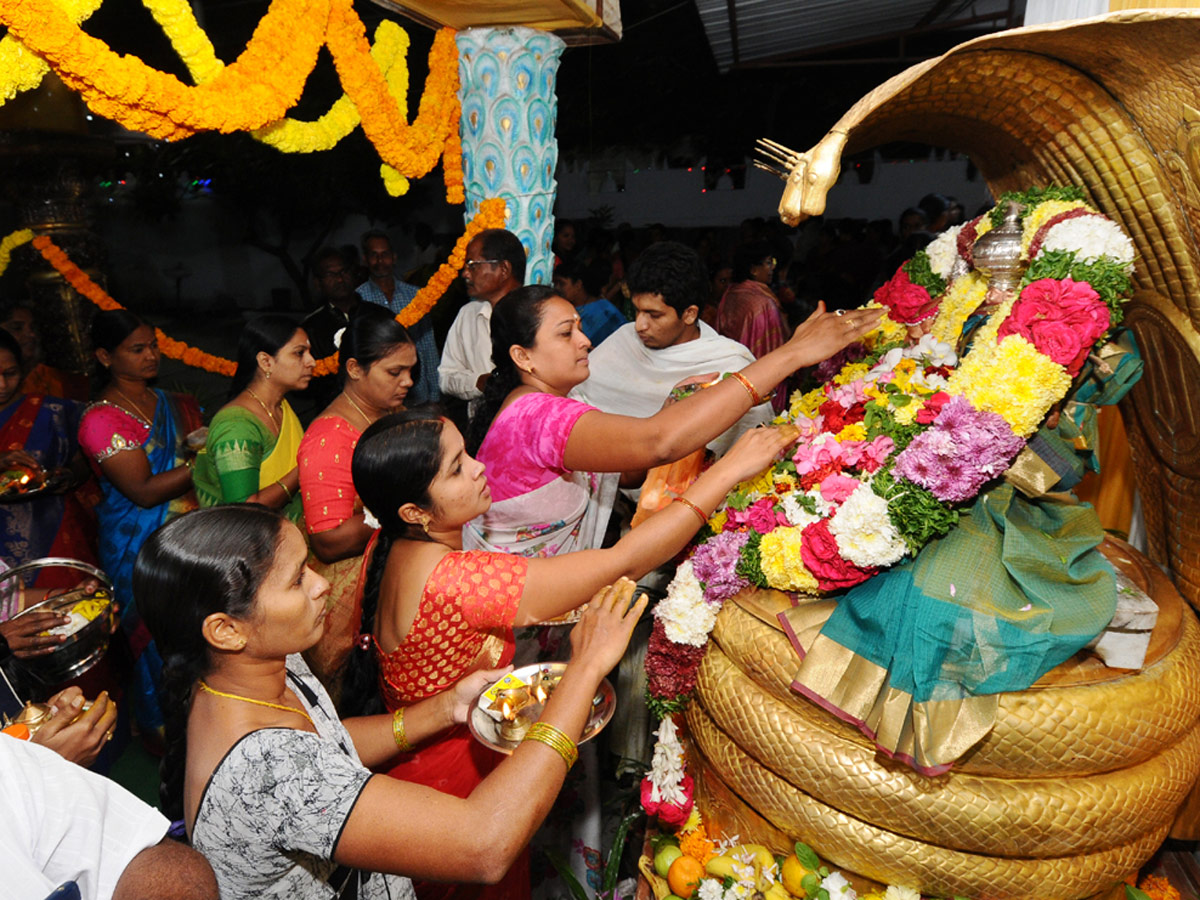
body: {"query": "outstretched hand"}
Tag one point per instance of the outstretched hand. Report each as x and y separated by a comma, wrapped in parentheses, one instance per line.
(824, 333)
(758, 448)
(600, 638)
(24, 633)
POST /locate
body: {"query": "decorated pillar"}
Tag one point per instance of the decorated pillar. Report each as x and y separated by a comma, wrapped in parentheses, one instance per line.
(509, 109)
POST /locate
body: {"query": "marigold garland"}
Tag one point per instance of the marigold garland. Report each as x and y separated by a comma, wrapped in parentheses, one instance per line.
(254, 92)
(491, 215)
(20, 68)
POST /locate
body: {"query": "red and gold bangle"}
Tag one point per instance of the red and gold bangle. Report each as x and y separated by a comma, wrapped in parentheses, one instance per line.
(693, 507)
(755, 397)
(556, 740)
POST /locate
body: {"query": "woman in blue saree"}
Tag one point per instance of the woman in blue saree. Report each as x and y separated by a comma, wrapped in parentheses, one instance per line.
(135, 436)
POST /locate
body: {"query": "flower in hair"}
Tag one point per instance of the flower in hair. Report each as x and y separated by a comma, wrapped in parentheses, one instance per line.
(370, 521)
(337, 337)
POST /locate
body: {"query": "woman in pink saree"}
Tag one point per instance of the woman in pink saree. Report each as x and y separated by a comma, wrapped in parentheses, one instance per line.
(749, 311)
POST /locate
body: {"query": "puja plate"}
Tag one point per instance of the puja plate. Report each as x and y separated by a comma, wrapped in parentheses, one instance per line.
(52, 480)
(486, 730)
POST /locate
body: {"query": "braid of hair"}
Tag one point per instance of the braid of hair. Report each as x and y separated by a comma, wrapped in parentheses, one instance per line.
(360, 689)
(502, 382)
(179, 675)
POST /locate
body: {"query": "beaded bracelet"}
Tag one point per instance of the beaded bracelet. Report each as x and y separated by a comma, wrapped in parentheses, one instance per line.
(556, 740)
(693, 507)
(398, 734)
(755, 397)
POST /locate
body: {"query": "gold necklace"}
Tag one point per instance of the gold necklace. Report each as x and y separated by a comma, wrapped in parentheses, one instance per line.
(204, 687)
(137, 410)
(270, 414)
(366, 418)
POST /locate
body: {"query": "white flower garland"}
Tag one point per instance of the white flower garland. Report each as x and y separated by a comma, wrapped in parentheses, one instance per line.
(686, 618)
(666, 768)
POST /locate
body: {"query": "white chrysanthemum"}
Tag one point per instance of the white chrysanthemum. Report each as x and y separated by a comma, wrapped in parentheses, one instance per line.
(796, 514)
(865, 535)
(711, 889)
(370, 521)
(666, 767)
(927, 384)
(1090, 237)
(686, 618)
(839, 888)
(824, 507)
(932, 352)
(943, 251)
(896, 892)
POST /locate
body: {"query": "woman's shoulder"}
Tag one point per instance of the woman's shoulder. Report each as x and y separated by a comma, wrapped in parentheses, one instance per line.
(235, 417)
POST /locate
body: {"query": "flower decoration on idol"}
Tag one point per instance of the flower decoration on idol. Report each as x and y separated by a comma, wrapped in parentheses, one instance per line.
(987, 329)
(667, 791)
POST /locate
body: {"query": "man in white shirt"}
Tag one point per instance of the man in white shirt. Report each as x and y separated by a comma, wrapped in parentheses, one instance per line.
(60, 822)
(495, 265)
(634, 370)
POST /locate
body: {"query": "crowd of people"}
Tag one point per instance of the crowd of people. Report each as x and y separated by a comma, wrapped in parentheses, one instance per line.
(314, 585)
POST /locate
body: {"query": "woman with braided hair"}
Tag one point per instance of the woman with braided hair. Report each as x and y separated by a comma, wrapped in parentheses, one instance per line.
(274, 790)
(433, 613)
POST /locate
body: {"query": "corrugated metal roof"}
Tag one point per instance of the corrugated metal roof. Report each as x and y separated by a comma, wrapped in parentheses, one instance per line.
(744, 32)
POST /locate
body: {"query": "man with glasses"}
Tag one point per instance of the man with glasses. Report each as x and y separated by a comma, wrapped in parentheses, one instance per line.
(495, 265)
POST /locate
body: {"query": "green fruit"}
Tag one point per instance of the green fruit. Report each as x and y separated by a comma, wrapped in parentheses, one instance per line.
(664, 858)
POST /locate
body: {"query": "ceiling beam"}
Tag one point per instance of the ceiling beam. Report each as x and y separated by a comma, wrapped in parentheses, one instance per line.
(731, 7)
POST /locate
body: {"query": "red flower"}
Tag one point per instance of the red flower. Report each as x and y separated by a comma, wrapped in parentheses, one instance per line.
(670, 814)
(670, 668)
(907, 303)
(818, 551)
(809, 480)
(933, 406)
(1062, 319)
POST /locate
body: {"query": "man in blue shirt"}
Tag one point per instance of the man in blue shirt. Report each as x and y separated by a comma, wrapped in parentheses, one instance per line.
(384, 289)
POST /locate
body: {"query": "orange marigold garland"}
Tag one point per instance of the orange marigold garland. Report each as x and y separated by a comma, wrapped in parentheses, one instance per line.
(1157, 887)
(491, 215)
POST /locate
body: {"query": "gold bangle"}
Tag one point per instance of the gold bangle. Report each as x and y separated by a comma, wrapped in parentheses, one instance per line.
(398, 734)
(693, 507)
(755, 397)
(286, 492)
(556, 740)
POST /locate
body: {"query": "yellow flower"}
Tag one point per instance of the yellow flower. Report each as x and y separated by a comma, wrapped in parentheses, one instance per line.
(906, 415)
(886, 332)
(851, 372)
(10, 243)
(855, 431)
(806, 405)
(1033, 220)
(1015, 381)
(960, 300)
(779, 557)
(717, 522)
(20, 68)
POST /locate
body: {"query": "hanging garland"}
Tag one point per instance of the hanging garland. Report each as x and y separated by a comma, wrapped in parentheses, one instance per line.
(491, 215)
(255, 91)
(20, 68)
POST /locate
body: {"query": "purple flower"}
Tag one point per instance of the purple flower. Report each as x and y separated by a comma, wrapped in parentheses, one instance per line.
(714, 562)
(963, 450)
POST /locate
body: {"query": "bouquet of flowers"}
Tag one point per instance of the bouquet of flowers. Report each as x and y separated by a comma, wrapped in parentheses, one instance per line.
(906, 428)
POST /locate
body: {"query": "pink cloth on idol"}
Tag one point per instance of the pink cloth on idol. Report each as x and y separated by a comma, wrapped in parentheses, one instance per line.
(751, 315)
(524, 447)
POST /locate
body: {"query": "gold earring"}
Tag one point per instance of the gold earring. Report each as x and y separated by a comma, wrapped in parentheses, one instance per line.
(241, 644)
(425, 524)
(267, 372)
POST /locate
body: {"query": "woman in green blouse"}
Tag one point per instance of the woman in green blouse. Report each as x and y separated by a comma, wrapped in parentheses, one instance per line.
(250, 455)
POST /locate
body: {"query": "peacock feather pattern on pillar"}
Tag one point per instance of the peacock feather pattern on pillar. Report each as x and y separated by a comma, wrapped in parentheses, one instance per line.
(508, 115)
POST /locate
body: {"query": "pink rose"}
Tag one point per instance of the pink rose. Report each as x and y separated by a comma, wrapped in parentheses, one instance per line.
(670, 814)
(907, 303)
(761, 516)
(819, 553)
(836, 488)
(875, 454)
(1062, 319)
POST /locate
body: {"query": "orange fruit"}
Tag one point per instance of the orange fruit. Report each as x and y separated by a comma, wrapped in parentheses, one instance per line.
(685, 875)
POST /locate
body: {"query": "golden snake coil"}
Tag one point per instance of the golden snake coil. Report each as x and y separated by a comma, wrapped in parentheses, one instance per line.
(1054, 731)
(1027, 817)
(857, 846)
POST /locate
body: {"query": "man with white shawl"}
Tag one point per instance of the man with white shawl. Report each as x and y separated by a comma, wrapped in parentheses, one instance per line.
(634, 370)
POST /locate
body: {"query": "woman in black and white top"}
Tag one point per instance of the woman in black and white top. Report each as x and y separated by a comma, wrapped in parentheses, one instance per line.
(273, 788)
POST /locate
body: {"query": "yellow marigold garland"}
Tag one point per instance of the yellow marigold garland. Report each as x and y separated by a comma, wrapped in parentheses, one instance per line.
(10, 243)
(20, 68)
(779, 556)
(962, 298)
(490, 215)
